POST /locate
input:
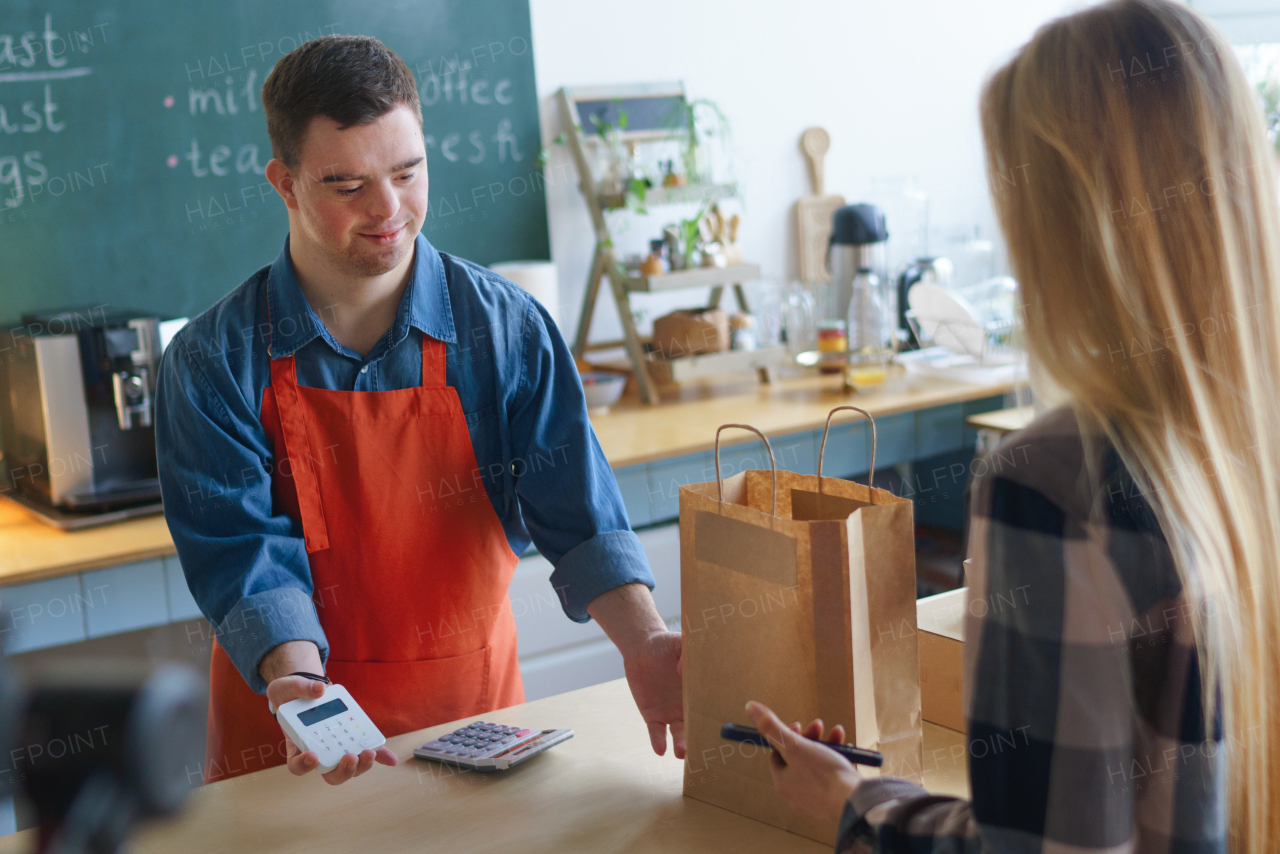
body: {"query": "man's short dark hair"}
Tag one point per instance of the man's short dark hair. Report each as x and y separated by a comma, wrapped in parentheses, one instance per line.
(354, 80)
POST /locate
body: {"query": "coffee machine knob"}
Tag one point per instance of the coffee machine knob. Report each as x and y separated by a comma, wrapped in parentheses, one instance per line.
(133, 398)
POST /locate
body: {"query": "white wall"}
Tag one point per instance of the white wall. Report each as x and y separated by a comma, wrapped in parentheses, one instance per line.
(895, 83)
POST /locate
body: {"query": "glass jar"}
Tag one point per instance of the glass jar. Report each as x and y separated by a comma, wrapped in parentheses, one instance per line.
(833, 346)
(799, 321)
(866, 372)
(743, 335)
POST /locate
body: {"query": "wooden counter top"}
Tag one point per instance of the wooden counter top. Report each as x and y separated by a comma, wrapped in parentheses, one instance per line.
(603, 790)
(31, 550)
(630, 433)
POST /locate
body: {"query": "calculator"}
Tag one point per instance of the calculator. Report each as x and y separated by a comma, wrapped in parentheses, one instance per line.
(332, 724)
(481, 746)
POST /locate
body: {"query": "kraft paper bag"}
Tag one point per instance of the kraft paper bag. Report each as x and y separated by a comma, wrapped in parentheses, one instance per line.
(799, 592)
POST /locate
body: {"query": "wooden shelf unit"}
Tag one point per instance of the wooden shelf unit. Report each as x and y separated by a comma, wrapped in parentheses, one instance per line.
(604, 263)
(708, 365)
(694, 277)
(658, 196)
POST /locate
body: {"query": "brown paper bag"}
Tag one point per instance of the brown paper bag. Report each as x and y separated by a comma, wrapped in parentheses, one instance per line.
(799, 592)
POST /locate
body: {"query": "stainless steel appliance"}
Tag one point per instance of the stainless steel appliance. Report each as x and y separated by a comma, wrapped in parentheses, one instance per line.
(77, 401)
(858, 236)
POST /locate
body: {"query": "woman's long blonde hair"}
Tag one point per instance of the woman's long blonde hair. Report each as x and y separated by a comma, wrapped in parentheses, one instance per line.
(1132, 178)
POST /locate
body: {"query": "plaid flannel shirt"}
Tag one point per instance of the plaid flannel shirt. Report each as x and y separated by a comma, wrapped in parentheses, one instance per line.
(1082, 684)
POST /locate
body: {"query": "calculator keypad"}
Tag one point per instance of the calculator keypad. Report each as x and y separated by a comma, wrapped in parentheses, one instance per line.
(480, 740)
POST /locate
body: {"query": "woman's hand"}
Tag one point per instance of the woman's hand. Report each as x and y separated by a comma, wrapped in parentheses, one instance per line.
(813, 779)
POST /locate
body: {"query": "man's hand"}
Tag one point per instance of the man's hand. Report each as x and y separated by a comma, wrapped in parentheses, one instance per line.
(651, 658)
(302, 656)
(814, 779)
(655, 676)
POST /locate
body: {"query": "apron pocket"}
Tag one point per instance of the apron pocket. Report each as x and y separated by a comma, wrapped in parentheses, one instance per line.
(403, 696)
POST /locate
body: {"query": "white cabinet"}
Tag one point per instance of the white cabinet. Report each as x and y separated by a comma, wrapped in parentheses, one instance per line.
(92, 604)
(124, 598)
(557, 654)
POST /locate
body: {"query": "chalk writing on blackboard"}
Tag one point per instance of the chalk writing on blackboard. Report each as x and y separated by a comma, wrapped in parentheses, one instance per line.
(40, 59)
(142, 150)
(20, 52)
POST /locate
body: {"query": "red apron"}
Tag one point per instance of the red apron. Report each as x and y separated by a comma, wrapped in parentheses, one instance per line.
(409, 563)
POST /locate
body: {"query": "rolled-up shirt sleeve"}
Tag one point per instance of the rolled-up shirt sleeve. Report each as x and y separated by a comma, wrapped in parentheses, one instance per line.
(245, 565)
(569, 498)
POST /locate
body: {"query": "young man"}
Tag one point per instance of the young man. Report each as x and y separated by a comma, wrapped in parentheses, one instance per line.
(357, 442)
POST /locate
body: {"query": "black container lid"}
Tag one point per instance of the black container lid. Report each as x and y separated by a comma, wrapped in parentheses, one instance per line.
(858, 224)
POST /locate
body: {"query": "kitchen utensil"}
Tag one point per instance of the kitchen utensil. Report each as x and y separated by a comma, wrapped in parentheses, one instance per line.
(813, 213)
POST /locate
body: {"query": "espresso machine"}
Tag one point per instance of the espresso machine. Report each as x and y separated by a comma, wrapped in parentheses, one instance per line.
(77, 403)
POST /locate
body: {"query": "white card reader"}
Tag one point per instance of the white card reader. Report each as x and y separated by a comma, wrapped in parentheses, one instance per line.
(331, 725)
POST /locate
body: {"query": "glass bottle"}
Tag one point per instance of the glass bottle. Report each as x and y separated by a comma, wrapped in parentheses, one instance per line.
(799, 320)
(869, 329)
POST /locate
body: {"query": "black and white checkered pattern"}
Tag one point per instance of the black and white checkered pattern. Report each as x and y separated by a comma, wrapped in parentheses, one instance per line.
(1083, 692)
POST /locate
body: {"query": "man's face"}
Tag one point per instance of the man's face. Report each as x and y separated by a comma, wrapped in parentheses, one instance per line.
(361, 193)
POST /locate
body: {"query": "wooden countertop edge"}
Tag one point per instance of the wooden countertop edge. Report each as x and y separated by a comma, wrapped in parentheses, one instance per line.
(98, 561)
(906, 405)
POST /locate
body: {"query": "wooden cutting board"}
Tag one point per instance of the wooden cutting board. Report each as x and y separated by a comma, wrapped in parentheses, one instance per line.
(813, 213)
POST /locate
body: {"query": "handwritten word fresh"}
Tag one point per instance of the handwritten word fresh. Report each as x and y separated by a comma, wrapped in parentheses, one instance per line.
(504, 140)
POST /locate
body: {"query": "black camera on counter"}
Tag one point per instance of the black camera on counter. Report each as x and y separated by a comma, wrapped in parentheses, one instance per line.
(93, 749)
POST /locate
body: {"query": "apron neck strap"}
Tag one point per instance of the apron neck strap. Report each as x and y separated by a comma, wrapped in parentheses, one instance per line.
(433, 362)
(298, 453)
(297, 447)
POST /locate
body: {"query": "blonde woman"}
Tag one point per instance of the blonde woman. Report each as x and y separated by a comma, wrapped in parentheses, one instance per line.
(1139, 678)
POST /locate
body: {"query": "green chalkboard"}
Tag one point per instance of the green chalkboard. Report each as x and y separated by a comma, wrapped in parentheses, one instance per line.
(132, 140)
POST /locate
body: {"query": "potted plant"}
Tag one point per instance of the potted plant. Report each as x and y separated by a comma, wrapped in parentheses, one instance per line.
(696, 122)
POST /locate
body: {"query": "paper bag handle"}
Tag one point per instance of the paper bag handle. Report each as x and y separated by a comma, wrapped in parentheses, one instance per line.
(823, 450)
(772, 465)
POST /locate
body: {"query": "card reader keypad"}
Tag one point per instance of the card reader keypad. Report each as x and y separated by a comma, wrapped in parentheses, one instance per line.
(345, 733)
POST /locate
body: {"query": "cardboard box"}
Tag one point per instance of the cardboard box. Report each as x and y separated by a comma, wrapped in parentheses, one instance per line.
(940, 625)
(689, 332)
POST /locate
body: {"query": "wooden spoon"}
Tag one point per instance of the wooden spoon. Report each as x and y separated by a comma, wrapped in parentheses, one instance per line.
(813, 213)
(815, 142)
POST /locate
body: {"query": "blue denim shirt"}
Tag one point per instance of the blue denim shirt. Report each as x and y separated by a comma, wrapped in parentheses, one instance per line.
(538, 457)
